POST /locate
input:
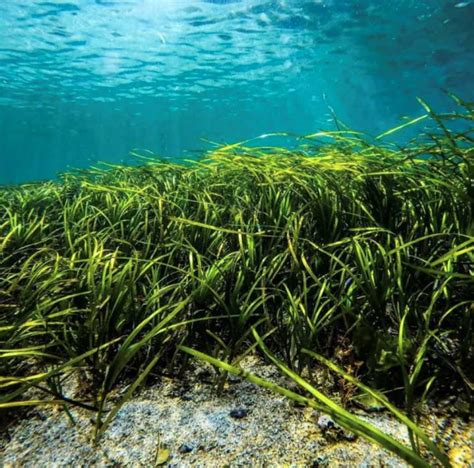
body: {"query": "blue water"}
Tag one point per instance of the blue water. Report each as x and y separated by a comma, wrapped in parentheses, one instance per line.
(89, 80)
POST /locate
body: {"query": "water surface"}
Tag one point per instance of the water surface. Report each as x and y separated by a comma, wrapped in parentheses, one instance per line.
(88, 80)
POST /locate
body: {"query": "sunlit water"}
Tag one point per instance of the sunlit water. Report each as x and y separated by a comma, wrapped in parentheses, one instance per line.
(89, 80)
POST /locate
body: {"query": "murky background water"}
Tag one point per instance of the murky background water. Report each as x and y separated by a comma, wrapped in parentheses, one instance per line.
(89, 80)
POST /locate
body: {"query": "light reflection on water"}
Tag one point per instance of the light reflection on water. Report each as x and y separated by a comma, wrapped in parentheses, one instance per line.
(85, 79)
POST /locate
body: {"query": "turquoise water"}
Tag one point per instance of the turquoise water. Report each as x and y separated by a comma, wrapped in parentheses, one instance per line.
(89, 80)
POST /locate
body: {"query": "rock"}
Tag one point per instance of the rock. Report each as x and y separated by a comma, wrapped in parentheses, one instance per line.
(349, 436)
(320, 460)
(298, 404)
(234, 378)
(185, 448)
(325, 422)
(239, 413)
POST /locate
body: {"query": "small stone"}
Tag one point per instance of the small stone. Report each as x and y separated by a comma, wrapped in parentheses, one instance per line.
(234, 378)
(298, 404)
(320, 460)
(325, 423)
(185, 448)
(203, 374)
(239, 413)
(350, 436)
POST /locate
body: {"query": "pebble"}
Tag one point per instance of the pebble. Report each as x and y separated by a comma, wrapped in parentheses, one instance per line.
(325, 422)
(234, 378)
(185, 448)
(239, 413)
(320, 460)
(350, 436)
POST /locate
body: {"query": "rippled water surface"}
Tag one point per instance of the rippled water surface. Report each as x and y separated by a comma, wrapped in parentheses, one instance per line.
(88, 80)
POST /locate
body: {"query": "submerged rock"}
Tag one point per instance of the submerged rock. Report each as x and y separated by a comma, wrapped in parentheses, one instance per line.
(239, 413)
(325, 423)
(185, 448)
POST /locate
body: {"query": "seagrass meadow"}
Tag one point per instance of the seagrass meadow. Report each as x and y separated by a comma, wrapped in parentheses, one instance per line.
(346, 253)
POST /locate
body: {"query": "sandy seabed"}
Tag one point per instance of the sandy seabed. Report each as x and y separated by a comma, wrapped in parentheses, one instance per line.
(244, 426)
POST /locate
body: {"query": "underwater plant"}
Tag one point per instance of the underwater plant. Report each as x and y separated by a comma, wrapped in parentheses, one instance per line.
(114, 272)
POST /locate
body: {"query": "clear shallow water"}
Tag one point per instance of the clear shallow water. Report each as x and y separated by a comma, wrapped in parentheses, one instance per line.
(88, 80)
